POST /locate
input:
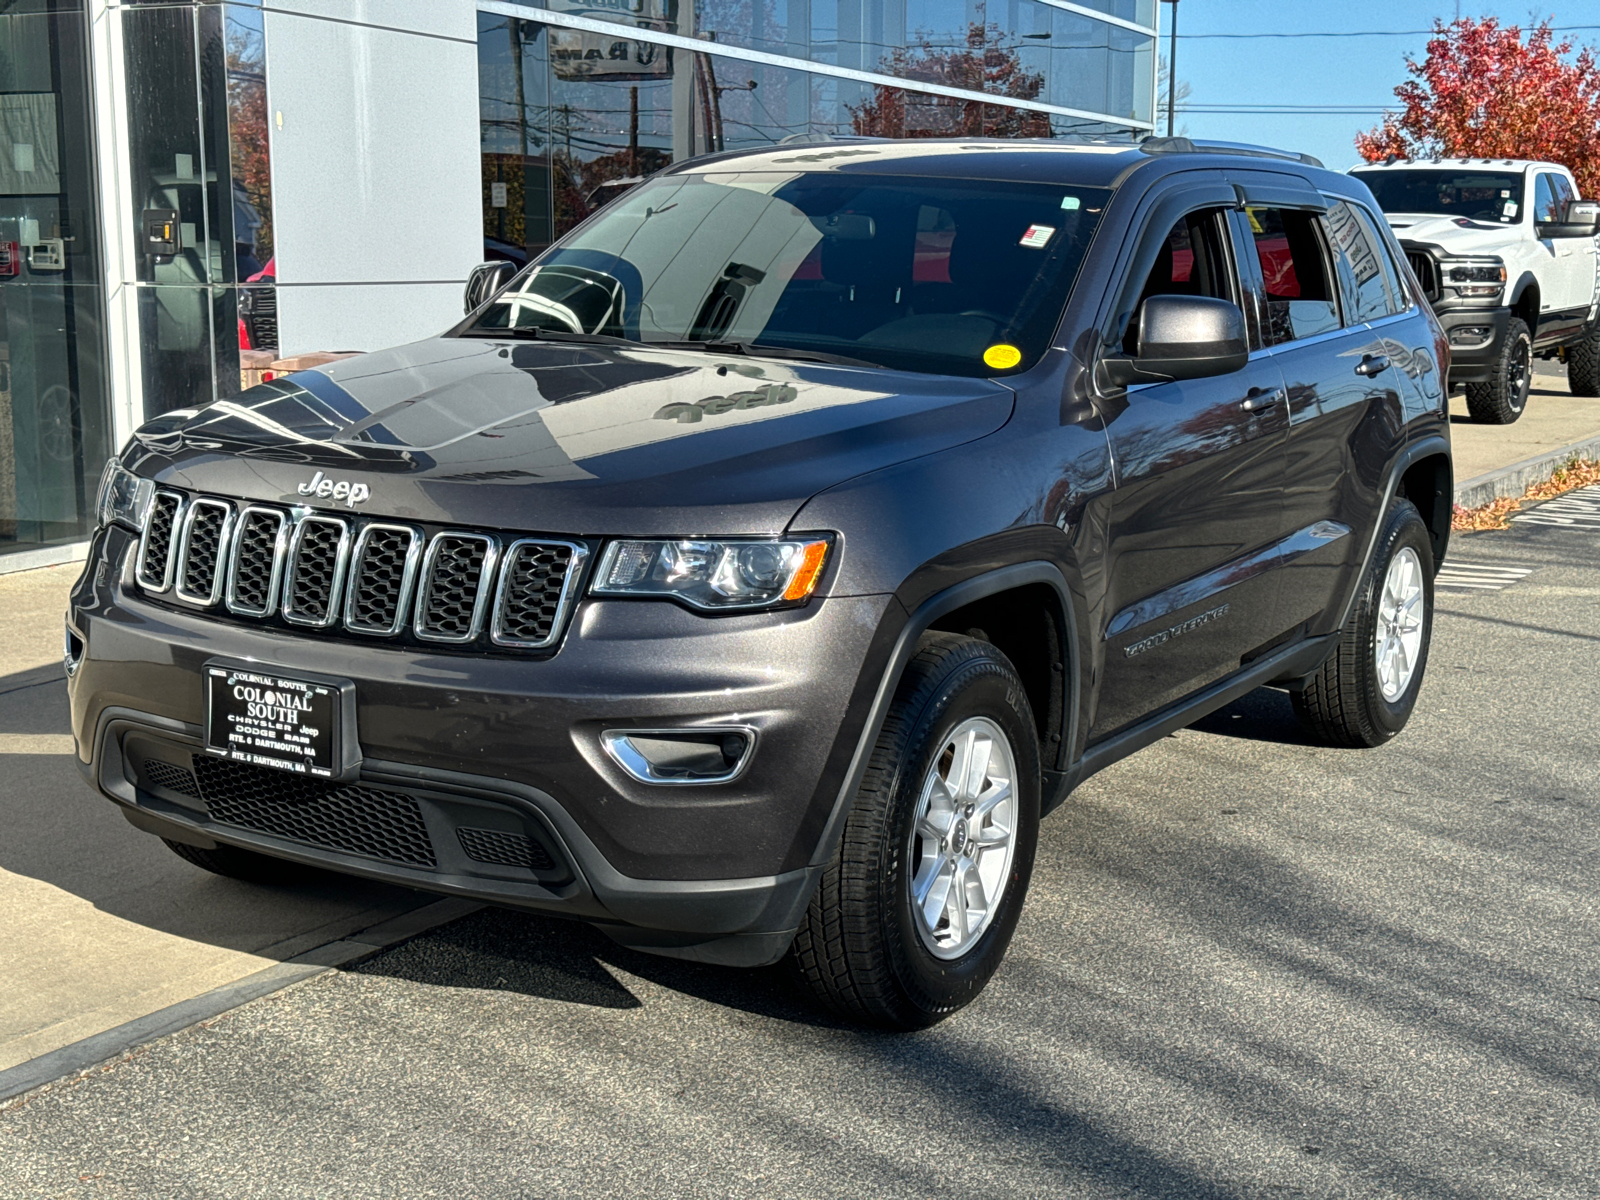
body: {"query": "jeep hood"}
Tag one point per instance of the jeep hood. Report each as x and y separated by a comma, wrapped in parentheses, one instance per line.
(561, 438)
(1476, 238)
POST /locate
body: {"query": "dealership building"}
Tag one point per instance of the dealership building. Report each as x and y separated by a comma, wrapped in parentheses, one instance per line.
(192, 192)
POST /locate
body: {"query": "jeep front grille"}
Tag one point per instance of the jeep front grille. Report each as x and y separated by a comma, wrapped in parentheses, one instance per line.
(374, 578)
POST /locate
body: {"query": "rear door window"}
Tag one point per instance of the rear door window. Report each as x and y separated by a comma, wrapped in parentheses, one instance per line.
(1365, 286)
(1295, 271)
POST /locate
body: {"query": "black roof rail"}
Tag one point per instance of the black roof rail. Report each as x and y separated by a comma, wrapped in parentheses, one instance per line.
(1183, 145)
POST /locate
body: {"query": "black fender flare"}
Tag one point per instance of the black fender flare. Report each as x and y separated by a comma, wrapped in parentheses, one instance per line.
(1430, 446)
(1525, 281)
(958, 595)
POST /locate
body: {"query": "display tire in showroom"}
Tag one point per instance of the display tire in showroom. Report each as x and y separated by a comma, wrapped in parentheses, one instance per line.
(1583, 364)
(917, 908)
(1501, 400)
(1364, 692)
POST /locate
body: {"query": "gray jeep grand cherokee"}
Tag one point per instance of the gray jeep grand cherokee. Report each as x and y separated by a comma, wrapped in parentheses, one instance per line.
(750, 573)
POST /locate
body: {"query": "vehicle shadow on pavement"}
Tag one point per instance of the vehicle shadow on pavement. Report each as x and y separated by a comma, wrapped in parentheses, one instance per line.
(1264, 715)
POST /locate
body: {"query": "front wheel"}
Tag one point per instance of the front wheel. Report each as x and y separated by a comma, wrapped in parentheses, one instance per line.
(1583, 364)
(919, 904)
(1501, 400)
(1364, 692)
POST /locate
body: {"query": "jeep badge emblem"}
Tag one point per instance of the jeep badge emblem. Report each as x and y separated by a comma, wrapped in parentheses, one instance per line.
(324, 488)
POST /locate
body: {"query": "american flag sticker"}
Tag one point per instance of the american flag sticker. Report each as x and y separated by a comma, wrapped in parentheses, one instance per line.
(1038, 236)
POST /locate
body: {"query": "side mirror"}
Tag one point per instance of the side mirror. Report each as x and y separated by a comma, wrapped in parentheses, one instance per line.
(1580, 218)
(1181, 337)
(485, 280)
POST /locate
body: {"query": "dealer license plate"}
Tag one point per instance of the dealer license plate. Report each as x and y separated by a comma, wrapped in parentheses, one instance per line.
(273, 720)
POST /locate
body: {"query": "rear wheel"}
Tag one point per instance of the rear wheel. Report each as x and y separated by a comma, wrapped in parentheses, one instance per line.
(1501, 400)
(919, 904)
(1364, 692)
(238, 864)
(1583, 364)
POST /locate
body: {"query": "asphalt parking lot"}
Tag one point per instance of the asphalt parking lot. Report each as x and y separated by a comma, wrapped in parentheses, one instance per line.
(1249, 967)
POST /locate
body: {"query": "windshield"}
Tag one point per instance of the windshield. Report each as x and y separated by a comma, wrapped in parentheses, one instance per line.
(950, 276)
(1477, 195)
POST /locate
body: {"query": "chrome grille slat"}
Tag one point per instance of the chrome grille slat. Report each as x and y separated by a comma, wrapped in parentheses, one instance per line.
(319, 551)
(455, 587)
(537, 582)
(157, 543)
(383, 568)
(202, 551)
(255, 568)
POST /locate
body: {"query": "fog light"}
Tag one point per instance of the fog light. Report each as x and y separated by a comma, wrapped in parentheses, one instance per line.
(1469, 335)
(682, 756)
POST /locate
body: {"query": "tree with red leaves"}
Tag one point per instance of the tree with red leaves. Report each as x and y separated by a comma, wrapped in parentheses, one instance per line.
(1485, 92)
(982, 65)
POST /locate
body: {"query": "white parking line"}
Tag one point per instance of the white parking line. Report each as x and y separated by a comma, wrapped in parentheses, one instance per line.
(1485, 577)
(1578, 509)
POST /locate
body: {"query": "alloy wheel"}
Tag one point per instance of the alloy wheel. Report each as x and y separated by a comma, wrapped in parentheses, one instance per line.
(1397, 634)
(962, 838)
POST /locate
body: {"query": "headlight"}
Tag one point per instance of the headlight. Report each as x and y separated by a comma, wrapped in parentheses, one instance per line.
(1479, 279)
(124, 498)
(714, 574)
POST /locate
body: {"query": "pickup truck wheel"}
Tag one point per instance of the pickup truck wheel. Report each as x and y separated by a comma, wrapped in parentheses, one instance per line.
(238, 864)
(1501, 400)
(1583, 364)
(919, 904)
(1364, 692)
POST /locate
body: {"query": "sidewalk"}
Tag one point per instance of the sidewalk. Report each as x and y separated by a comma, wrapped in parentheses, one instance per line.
(1492, 461)
(100, 924)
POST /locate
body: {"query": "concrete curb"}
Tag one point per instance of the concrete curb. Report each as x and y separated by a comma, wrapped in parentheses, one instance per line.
(91, 1052)
(1512, 481)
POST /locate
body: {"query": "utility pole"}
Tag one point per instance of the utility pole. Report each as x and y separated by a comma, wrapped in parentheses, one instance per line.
(1172, 70)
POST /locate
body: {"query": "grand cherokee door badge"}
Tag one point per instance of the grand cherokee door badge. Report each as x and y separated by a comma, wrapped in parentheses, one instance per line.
(1166, 635)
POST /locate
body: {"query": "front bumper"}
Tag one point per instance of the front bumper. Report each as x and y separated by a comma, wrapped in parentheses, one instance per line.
(488, 742)
(1474, 359)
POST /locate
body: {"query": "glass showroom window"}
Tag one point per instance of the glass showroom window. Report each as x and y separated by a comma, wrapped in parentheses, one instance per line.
(53, 413)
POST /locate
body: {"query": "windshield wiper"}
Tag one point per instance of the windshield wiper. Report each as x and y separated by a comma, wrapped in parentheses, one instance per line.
(762, 350)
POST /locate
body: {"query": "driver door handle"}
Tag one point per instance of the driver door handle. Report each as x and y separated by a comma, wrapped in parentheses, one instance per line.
(1257, 399)
(1372, 364)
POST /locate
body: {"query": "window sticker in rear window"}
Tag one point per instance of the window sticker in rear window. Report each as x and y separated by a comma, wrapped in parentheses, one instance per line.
(1037, 237)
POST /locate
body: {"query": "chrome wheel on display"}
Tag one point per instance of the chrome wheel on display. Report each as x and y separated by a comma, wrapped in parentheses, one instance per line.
(961, 838)
(1397, 632)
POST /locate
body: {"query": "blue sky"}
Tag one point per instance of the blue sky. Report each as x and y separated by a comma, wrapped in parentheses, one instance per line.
(1353, 72)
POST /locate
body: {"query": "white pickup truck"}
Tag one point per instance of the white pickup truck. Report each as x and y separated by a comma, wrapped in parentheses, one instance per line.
(1506, 253)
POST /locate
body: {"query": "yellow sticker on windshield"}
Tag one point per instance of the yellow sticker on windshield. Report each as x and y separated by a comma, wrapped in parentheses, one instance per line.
(1002, 357)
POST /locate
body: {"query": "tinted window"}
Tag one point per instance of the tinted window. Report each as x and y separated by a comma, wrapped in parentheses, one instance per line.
(952, 276)
(1554, 192)
(1294, 270)
(1476, 195)
(1190, 262)
(1362, 282)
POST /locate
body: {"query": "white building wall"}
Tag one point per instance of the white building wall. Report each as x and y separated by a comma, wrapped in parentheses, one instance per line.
(375, 168)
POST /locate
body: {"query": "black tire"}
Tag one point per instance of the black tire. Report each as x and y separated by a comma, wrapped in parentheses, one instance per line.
(1583, 364)
(239, 864)
(1343, 703)
(859, 948)
(1502, 399)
